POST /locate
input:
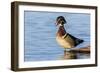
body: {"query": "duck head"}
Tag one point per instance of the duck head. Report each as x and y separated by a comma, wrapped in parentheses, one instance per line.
(60, 21)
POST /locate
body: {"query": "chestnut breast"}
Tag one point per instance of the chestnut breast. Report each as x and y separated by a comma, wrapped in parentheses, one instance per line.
(61, 31)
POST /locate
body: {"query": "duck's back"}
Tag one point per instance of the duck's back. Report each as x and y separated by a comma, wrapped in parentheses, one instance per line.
(75, 40)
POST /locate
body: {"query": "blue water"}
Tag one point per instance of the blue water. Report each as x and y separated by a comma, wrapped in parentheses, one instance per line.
(40, 33)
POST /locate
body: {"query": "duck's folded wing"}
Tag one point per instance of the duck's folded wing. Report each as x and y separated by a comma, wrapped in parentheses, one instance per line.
(71, 39)
(68, 35)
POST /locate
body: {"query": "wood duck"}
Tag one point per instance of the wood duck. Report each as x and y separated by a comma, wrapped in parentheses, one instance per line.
(66, 40)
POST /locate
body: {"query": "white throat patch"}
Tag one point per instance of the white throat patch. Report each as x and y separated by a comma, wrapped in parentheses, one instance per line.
(60, 25)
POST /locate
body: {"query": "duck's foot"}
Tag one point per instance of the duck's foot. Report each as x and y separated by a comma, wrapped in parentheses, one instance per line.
(67, 50)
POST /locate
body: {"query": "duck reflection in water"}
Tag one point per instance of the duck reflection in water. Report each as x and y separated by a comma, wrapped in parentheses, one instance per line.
(80, 53)
(69, 55)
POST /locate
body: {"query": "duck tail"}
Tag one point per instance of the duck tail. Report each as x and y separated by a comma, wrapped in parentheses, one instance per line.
(78, 41)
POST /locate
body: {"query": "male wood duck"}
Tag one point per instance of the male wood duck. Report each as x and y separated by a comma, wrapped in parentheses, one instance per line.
(66, 40)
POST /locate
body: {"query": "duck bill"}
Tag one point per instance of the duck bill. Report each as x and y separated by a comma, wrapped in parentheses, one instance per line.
(56, 24)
